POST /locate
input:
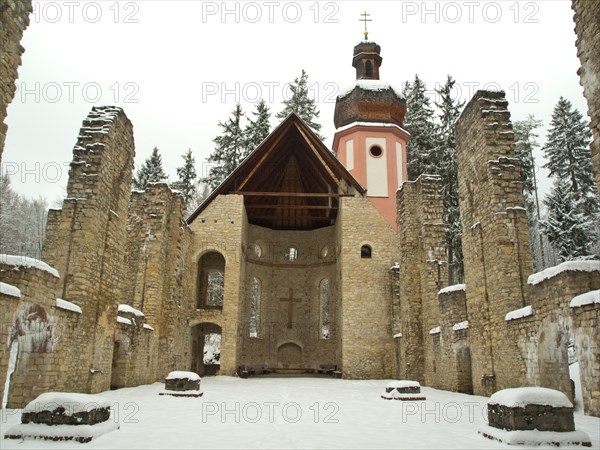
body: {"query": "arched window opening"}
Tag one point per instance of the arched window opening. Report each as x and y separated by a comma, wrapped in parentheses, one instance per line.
(369, 69)
(325, 294)
(365, 251)
(255, 288)
(291, 254)
(211, 281)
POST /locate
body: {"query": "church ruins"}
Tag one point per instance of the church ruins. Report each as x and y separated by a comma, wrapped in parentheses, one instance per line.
(302, 259)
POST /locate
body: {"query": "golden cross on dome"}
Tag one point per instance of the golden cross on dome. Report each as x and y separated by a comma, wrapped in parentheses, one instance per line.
(365, 20)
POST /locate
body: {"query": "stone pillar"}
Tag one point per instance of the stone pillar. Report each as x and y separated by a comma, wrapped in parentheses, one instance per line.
(495, 235)
(423, 271)
(88, 236)
(587, 27)
(14, 19)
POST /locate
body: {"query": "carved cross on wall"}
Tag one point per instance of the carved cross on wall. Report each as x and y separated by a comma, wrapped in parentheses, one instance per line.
(291, 300)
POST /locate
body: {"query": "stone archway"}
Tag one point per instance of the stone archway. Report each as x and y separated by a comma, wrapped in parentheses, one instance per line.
(289, 355)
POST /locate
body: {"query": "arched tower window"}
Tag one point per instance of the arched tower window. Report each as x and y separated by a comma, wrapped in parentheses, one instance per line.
(369, 69)
(211, 280)
(365, 251)
(255, 292)
(325, 294)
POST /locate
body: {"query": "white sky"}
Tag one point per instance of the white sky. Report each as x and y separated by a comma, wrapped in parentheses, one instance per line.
(178, 67)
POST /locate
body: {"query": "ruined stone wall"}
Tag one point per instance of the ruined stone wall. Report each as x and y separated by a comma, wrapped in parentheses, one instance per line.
(423, 271)
(154, 260)
(221, 227)
(366, 289)
(277, 274)
(543, 336)
(495, 236)
(14, 19)
(86, 240)
(587, 27)
(135, 356)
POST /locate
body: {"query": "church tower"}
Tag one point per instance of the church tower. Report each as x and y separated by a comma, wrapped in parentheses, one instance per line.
(369, 140)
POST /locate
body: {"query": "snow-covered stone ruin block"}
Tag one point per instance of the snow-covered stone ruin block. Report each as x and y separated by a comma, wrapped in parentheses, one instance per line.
(403, 390)
(532, 416)
(182, 384)
(61, 416)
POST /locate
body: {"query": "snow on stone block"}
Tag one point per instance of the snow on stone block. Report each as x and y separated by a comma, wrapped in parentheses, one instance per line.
(20, 262)
(401, 384)
(461, 326)
(453, 288)
(536, 437)
(69, 403)
(184, 384)
(124, 320)
(521, 397)
(589, 298)
(403, 390)
(68, 306)
(148, 327)
(436, 330)
(10, 290)
(519, 313)
(397, 335)
(79, 433)
(131, 310)
(577, 266)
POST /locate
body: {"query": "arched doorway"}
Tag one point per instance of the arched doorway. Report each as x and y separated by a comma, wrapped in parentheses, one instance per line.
(289, 355)
(206, 349)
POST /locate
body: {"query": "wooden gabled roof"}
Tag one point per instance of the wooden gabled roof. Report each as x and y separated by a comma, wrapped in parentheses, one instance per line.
(291, 181)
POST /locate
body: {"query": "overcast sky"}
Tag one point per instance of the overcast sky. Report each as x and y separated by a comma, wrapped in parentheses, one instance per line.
(178, 67)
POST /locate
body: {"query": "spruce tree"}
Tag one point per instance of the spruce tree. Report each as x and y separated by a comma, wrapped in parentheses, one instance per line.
(230, 149)
(573, 206)
(420, 124)
(186, 174)
(151, 171)
(258, 129)
(525, 143)
(443, 162)
(300, 103)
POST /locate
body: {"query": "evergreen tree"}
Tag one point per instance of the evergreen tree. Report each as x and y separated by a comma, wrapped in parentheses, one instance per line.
(186, 174)
(258, 129)
(229, 151)
(571, 232)
(525, 143)
(302, 104)
(420, 124)
(150, 172)
(574, 209)
(444, 164)
(568, 153)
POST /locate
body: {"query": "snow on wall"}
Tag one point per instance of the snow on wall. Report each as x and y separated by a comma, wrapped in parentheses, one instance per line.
(124, 320)
(521, 397)
(63, 304)
(518, 313)
(580, 266)
(9, 289)
(130, 309)
(24, 262)
(461, 326)
(587, 298)
(435, 330)
(453, 288)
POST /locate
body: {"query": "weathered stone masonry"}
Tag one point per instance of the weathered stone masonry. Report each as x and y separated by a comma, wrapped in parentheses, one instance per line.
(14, 19)
(587, 27)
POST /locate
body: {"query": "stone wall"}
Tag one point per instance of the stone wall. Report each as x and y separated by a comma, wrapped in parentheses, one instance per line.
(14, 19)
(587, 27)
(423, 271)
(85, 240)
(365, 289)
(495, 235)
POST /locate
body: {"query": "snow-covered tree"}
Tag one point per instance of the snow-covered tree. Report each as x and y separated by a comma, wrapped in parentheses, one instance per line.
(419, 122)
(230, 149)
(570, 231)
(573, 206)
(525, 143)
(301, 103)
(258, 129)
(150, 172)
(568, 153)
(186, 174)
(22, 222)
(443, 163)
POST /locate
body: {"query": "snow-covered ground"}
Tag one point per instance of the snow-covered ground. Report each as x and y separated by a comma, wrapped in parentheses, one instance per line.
(290, 413)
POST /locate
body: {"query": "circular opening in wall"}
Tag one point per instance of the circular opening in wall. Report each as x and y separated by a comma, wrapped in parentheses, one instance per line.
(376, 151)
(257, 250)
(324, 252)
(291, 254)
